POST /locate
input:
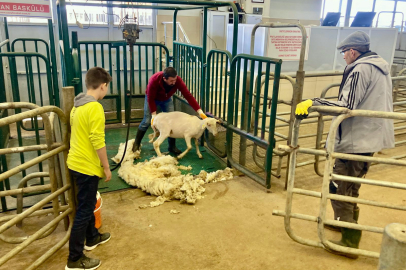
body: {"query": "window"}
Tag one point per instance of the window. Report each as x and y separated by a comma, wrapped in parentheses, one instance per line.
(384, 9)
(360, 5)
(330, 6)
(335, 6)
(401, 7)
(85, 14)
(26, 20)
(144, 16)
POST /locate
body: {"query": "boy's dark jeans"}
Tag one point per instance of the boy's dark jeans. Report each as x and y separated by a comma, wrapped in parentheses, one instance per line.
(83, 226)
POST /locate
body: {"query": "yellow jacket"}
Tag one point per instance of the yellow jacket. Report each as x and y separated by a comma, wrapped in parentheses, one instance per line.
(87, 135)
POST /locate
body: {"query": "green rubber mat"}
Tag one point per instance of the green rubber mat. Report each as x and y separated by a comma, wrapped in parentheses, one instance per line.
(114, 137)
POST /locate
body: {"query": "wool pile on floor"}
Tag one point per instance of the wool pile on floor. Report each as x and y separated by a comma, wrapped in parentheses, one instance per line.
(162, 177)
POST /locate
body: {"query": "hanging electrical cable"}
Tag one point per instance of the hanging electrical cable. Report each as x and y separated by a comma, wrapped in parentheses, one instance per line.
(131, 32)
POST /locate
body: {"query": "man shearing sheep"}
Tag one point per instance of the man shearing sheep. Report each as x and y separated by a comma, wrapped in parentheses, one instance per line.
(160, 89)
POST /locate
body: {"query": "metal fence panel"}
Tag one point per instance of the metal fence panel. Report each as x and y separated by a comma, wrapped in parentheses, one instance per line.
(244, 107)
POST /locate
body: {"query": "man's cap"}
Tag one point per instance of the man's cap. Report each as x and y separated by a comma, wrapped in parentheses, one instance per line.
(358, 38)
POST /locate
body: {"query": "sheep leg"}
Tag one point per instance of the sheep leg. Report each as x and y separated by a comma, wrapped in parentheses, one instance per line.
(153, 135)
(189, 146)
(197, 148)
(158, 142)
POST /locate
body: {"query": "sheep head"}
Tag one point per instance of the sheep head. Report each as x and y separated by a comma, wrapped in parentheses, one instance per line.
(211, 125)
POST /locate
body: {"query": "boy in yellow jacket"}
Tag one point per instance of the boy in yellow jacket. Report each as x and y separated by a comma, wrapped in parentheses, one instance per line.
(87, 163)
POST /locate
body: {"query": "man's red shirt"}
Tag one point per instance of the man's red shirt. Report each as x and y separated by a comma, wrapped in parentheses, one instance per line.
(156, 91)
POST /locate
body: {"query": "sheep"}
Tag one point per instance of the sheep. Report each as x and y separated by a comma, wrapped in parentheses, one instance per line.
(180, 125)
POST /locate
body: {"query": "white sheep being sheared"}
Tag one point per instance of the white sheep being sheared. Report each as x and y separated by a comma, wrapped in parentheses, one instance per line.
(181, 125)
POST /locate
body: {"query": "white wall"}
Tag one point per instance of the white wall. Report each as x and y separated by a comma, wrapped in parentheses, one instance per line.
(266, 7)
(287, 9)
(295, 9)
(186, 12)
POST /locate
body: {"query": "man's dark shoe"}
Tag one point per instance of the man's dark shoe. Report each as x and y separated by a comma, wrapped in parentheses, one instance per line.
(172, 147)
(83, 263)
(175, 151)
(349, 238)
(101, 239)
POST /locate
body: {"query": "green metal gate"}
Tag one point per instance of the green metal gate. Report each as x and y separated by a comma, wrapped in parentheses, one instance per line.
(245, 106)
(216, 96)
(152, 57)
(112, 56)
(188, 61)
(4, 135)
(37, 91)
(33, 78)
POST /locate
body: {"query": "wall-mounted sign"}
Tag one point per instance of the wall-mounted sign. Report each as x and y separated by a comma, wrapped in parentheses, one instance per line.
(285, 43)
(26, 8)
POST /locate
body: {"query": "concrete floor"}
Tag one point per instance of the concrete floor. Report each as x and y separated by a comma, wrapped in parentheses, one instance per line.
(231, 228)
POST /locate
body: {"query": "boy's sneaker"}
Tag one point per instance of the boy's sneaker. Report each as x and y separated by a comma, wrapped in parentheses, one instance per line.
(101, 239)
(83, 263)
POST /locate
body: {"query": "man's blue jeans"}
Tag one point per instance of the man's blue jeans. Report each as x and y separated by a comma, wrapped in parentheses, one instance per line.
(165, 106)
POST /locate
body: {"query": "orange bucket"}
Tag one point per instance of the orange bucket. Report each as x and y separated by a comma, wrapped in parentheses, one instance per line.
(97, 211)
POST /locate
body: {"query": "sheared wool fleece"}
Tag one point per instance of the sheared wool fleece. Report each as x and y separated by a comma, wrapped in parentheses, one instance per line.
(161, 176)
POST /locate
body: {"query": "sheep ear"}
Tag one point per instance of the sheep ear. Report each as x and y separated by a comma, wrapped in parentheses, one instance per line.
(204, 125)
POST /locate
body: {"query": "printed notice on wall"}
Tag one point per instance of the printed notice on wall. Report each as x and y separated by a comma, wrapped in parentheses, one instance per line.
(25, 8)
(285, 43)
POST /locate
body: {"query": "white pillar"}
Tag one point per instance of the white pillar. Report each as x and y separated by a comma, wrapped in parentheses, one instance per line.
(393, 248)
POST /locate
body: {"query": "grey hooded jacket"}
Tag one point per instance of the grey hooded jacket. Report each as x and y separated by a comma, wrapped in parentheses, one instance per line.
(83, 99)
(366, 85)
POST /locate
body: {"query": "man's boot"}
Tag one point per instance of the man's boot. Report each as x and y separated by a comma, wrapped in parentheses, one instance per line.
(349, 238)
(172, 147)
(356, 214)
(138, 139)
(338, 229)
(332, 228)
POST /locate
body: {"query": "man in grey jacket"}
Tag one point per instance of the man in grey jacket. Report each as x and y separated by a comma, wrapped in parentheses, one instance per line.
(366, 85)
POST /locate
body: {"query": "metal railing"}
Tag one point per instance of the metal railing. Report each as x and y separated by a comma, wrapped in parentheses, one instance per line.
(399, 96)
(32, 75)
(300, 74)
(392, 24)
(33, 45)
(160, 59)
(110, 55)
(4, 137)
(216, 94)
(179, 29)
(33, 95)
(113, 56)
(243, 109)
(57, 188)
(322, 119)
(394, 14)
(328, 175)
(188, 61)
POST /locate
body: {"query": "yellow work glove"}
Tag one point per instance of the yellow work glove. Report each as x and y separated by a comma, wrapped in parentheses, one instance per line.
(152, 119)
(202, 115)
(301, 109)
